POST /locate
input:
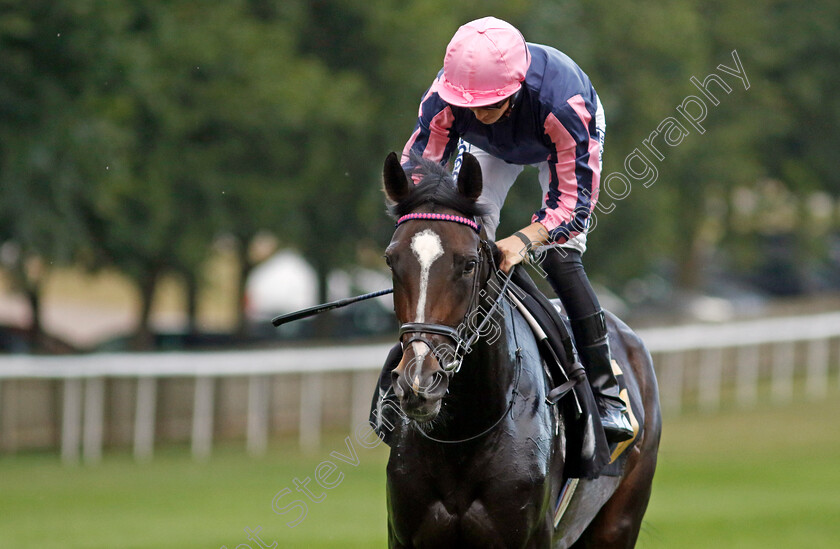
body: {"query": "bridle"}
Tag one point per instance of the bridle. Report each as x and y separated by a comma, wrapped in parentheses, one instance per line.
(451, 358)
(418, 330)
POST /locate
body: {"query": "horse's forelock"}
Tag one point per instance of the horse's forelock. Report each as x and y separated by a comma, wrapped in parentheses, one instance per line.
(437, 188)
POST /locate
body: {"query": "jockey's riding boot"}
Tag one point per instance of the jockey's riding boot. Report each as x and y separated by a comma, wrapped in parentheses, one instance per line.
(594, 349)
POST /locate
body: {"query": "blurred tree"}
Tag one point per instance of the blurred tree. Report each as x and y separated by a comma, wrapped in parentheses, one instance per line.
(800, 132)
(235, 133)
(48, 135)
(152, 210)
(135, 134)
(641, 58)
(304, 155)
(395, 49)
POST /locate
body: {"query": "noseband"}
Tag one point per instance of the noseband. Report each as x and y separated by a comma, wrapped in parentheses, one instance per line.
(451, 359)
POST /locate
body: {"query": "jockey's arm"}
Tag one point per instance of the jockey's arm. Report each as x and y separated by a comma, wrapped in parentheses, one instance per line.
(514, 249)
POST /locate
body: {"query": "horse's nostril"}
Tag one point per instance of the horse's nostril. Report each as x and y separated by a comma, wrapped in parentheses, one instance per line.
(436, 382)
(397, 386)
(421, 388)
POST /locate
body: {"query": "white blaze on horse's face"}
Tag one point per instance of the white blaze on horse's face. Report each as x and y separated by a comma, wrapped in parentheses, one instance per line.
(426, 247)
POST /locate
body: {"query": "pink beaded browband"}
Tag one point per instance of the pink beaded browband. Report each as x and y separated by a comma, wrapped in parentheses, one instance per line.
(441, 217)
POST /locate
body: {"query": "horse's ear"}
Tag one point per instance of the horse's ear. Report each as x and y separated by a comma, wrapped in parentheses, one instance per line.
(395, 180)
(469, 178)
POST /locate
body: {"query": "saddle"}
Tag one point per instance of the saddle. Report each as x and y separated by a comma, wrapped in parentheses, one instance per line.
(563, 369)
(588, 453)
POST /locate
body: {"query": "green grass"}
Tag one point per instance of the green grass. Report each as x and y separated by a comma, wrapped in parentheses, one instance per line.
(766, 478)
(174, 502)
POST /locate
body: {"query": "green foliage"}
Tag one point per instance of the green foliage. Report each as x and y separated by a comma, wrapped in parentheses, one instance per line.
(50, 138)
(134, 135)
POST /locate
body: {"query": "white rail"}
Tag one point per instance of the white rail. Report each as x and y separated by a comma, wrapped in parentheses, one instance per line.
(674, 349)
(194, 364)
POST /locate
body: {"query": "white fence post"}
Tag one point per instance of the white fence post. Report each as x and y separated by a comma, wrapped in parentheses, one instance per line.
(257, 431)
(310, 412)
(783, 367)
(71, 420)
(360, 400)
(816, 383)
(746, 381)
(144, 418)
(709, 379)
(202, 427)
(8, 418)
(93, 420)
(671, 381)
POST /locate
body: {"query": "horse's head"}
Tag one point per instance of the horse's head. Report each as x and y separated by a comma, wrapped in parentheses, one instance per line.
(438, 262)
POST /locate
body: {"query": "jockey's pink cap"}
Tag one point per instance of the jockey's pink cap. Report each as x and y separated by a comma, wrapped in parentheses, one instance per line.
(485, 62)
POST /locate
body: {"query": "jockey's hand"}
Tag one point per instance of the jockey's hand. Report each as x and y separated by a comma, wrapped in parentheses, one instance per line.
(514, 250)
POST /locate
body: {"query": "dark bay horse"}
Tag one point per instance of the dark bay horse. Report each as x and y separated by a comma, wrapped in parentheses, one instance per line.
(478, 460)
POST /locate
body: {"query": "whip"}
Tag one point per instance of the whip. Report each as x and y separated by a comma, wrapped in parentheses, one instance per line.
(311, 311)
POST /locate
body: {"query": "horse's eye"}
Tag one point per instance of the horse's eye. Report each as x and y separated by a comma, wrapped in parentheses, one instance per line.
(469, 267)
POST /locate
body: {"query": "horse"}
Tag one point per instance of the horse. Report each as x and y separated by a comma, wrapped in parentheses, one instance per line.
(478, 458)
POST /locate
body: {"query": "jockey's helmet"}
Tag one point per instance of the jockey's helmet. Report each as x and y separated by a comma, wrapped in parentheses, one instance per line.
(485, 62)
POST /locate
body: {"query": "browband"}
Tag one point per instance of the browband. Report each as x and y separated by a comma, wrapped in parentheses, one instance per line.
(440, 217)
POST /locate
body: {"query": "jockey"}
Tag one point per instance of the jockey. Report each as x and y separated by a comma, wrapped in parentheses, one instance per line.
(511, 104)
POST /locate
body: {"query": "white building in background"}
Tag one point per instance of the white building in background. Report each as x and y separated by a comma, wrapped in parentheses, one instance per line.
(286, 282)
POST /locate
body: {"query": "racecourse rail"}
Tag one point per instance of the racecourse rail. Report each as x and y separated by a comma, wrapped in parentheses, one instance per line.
(697, 366)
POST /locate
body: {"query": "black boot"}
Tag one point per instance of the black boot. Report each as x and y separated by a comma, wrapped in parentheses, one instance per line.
(594, 349)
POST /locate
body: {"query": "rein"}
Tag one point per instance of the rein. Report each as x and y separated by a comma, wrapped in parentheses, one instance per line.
(498, 421)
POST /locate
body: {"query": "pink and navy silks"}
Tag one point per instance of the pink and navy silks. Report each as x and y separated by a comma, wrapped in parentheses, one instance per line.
(552, 120)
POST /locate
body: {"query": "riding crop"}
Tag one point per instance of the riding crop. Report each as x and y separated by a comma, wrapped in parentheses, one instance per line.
(311, 311)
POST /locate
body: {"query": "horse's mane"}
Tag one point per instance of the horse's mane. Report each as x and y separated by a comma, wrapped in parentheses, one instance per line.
(437, 188)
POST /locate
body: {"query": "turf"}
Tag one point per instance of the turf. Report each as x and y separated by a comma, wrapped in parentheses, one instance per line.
(763, 478)
(767, 478)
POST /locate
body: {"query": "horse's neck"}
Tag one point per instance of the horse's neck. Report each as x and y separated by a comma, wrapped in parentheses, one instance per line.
(481, 390)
